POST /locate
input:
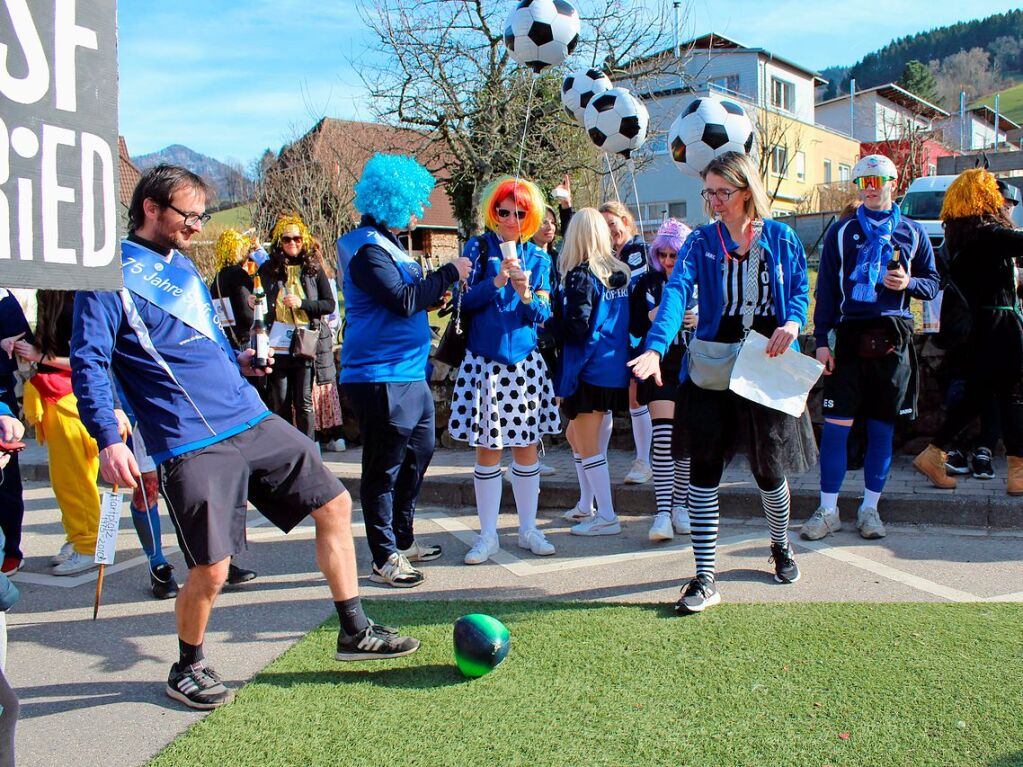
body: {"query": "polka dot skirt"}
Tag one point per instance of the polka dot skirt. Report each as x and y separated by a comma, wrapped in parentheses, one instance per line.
(497, 405)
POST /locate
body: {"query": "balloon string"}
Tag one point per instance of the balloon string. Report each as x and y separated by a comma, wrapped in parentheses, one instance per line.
(635, 191)
(611, 175)
(522, 147)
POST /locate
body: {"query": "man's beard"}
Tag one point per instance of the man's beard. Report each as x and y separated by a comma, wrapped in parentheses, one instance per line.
(173, 241)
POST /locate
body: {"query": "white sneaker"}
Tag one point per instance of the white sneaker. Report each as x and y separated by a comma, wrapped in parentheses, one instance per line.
(547, 471)
(639, 473)
(62, 556)
(597, 526)
(680, 520)
(535, 541)
(575, 514)
(661, 530)
(484, 548)
(75, 564)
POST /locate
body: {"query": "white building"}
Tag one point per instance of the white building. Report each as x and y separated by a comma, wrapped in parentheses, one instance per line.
(977, 130)
(882, 113)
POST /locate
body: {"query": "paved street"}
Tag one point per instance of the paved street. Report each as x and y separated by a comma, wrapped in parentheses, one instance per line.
(92, 692)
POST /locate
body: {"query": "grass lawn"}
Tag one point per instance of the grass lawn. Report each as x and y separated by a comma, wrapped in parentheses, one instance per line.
(800, 685)
(1010, 103)
(238, 217)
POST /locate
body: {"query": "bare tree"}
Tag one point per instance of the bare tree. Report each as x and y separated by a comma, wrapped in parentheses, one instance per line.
(970, 71)
(442, 66)
(778, 139)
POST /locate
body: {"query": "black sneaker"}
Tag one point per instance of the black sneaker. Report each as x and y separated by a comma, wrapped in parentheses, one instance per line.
(956, 463)
(698, 595)
(982, 468)
(237, 575)
(375, 643)
(161, 578)
(198, 686)
(785, 568)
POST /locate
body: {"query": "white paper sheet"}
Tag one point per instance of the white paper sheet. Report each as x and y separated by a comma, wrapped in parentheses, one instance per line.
(110, 505)
(781, 383)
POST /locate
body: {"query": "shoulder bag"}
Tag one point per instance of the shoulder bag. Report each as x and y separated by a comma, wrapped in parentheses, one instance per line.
(453, 343)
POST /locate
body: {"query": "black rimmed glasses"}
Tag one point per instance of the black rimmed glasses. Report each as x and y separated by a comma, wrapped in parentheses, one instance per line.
(191, 219)
(723, 195)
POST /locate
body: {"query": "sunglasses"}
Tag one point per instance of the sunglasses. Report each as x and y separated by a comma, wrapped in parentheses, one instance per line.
(504, 213)
(872, 182)
(285, 239)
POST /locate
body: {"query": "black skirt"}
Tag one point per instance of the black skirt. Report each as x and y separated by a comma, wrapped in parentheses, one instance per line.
(589, 398)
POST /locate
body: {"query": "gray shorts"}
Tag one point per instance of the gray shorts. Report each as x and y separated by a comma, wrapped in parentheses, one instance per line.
(272, 465)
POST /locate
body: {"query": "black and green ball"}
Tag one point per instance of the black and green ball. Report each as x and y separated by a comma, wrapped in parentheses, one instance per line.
(481, 643)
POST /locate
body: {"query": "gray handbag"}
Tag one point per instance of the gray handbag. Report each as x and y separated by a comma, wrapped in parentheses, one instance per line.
(710, 363)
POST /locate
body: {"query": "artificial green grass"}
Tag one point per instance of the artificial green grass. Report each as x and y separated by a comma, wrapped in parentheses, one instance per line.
(800, 685)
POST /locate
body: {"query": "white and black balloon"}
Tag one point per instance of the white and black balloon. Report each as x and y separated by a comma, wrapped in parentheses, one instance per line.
(706, 129)
(542, 33)
(579, 87)
(616, 121)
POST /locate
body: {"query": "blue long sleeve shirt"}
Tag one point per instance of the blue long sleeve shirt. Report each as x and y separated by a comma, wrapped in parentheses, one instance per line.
(838, 259)
(701, 263)
(503, 328)
(203, 400)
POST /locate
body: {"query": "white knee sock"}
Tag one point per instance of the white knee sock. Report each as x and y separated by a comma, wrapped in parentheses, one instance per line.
(487, 481)
(525, 482)
(600, 480)
(585, 491)
(642, 432)
(605, 432)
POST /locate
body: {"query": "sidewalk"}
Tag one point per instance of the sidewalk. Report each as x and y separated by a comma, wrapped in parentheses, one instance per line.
(908, 498)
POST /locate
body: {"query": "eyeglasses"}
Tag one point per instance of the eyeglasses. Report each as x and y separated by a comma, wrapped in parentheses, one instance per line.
(191, 219)
(285, 239)
(666, 254)
(872, 182)
(723, 195)
(504, 213)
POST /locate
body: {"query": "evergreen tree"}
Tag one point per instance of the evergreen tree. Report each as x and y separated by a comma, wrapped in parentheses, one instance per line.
(918, 79)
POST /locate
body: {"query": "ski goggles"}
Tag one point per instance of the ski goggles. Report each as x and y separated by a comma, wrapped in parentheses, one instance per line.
(872, 182)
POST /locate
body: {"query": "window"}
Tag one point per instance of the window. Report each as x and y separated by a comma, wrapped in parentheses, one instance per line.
(932, 170)
(827, 171)
(783, 94)
(844, 173)
(729, 83)
(801, 166)
(677, 210)
(779, 160)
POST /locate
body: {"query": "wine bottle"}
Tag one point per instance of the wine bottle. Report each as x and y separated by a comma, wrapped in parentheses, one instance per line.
(896, 263)
(260, 341)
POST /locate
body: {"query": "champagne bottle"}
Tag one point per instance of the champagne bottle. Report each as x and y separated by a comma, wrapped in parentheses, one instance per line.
(896, 261)
(260, 295)
(260, 340)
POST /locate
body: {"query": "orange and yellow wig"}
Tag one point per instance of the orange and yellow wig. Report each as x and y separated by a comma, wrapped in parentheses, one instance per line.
(974, 193)
(291, 219)
(527, 197)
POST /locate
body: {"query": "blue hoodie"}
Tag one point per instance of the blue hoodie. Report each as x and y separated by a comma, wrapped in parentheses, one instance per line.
(701, 261)
(502, 328)
(207, 399)
(838, 256)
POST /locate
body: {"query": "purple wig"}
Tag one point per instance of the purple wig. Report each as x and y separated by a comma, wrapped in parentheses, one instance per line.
(670, 236)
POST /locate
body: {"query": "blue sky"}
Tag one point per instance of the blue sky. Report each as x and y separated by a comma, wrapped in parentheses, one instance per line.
(230, 79)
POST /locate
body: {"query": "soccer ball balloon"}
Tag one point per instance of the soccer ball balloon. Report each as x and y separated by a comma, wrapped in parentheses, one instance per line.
(542, 33)
(579, 87)
(481, 643)
(616, 121)
(706, 129)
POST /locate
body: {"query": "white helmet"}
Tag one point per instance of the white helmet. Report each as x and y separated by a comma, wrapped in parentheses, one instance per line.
(875, 165)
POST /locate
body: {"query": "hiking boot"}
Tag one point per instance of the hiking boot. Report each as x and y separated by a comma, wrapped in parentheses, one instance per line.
(680, 520)
(1015, 478)
(931, 463)
(419, 552)
(639, 473)
(699, 594)
(869, 523)
(535, 541)
(161, 580)
(238, 575)
(597, 526)
(197, 686)
(982, 468)
(397, 572)
(374, 643)
(661, 530)
(956, 463)
(484, 548)
(820, 524)
(785, 568)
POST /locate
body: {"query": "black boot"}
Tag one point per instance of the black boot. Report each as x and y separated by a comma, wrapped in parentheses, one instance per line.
(236, 575)
(162, 580)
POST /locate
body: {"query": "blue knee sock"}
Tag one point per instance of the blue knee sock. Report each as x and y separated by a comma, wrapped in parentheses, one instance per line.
(147, 526)
(834, 460)
(878, 460)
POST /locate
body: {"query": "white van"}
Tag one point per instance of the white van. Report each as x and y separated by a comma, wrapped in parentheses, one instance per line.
(923, 200)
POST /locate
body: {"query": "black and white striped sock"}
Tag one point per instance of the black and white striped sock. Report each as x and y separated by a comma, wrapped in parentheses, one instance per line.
(703, 518)
(680, 490)
(600, 480)
(776, 509)
(661, 463)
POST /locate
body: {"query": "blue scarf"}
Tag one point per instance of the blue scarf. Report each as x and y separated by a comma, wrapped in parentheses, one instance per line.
(878, 228)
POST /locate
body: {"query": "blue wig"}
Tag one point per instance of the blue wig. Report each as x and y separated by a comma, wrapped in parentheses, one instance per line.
(393, 188)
